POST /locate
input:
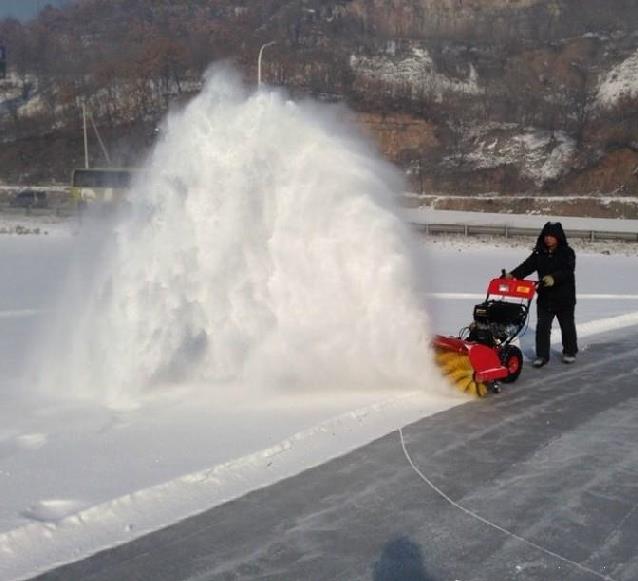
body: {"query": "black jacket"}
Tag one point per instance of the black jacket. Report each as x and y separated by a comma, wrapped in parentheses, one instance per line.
(560, 264)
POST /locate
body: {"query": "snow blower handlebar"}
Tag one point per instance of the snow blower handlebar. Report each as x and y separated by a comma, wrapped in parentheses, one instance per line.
(537, 283)
(513, 288)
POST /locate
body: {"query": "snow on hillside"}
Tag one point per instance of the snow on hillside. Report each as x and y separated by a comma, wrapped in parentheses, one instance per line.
(542, 155)
(620, 82)
(10, 87)
(417, 71)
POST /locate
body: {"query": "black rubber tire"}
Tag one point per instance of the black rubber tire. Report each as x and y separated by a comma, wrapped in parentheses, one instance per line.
(512, 358)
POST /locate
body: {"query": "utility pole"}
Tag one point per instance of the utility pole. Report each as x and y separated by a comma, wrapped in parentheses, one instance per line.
(86, 114)
(3, 62)
(99, 138)
(86, 141)
(261, 51)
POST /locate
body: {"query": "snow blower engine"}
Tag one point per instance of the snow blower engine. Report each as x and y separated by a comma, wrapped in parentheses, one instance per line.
(482, 355)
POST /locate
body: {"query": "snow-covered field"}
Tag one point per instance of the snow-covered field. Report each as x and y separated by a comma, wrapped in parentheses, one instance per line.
(78, 476)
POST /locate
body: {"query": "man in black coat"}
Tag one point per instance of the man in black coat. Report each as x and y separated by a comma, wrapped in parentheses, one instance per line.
(555, 262)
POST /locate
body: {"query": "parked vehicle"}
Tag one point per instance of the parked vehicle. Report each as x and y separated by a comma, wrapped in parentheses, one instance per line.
(30, 199)
(107, 185)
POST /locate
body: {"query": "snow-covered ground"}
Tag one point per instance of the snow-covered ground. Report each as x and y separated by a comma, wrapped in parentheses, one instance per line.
(78, 476)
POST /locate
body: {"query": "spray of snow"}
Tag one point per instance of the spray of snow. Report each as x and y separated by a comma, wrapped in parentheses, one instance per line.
(261, 249)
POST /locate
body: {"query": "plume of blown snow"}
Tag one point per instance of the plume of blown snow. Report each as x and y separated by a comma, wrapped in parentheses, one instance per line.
(261, 248)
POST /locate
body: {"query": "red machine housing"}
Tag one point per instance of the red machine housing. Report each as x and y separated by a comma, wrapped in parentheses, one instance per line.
(487, 361)
(484, 360)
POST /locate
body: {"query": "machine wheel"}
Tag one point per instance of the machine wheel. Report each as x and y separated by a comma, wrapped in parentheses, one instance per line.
(512, 358)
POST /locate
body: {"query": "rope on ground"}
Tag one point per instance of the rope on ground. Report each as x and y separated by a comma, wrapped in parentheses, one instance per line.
(493, 525)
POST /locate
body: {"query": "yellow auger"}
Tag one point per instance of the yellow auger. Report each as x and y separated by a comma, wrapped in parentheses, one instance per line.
(457, 369)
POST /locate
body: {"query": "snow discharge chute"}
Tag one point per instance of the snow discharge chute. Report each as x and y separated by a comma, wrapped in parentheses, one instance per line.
(262, 248)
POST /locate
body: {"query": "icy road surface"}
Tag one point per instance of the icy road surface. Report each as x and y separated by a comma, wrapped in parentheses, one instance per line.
(537, 483)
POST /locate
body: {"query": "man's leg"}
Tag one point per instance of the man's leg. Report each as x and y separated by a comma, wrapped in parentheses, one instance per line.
(568, 331)
(543, 332)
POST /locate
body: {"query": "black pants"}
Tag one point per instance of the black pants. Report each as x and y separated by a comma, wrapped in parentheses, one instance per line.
(544, 328)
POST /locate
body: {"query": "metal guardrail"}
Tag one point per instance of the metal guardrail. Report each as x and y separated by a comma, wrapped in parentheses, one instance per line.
(67, 211)
(62, 211)
(513, 231)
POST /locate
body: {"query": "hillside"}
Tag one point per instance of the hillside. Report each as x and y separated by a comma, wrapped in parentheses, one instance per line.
(467, 96)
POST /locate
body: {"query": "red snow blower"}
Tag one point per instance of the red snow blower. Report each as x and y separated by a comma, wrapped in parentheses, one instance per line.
(482, 355)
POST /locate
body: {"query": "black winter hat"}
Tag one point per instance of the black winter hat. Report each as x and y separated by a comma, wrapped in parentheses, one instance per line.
(554, 229)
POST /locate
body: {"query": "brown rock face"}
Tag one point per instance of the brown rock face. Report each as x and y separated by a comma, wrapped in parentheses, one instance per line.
(400, 136)
(616, 172)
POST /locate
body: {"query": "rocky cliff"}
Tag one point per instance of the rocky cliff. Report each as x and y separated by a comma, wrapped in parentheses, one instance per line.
(467, 96)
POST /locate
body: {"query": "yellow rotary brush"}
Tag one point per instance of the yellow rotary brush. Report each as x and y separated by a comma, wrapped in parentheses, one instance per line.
(457, 369)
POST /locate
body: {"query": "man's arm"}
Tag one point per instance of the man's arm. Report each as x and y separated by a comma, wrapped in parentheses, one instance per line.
(525, 268)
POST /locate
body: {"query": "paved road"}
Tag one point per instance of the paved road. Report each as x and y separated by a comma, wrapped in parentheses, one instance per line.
(551, 465)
